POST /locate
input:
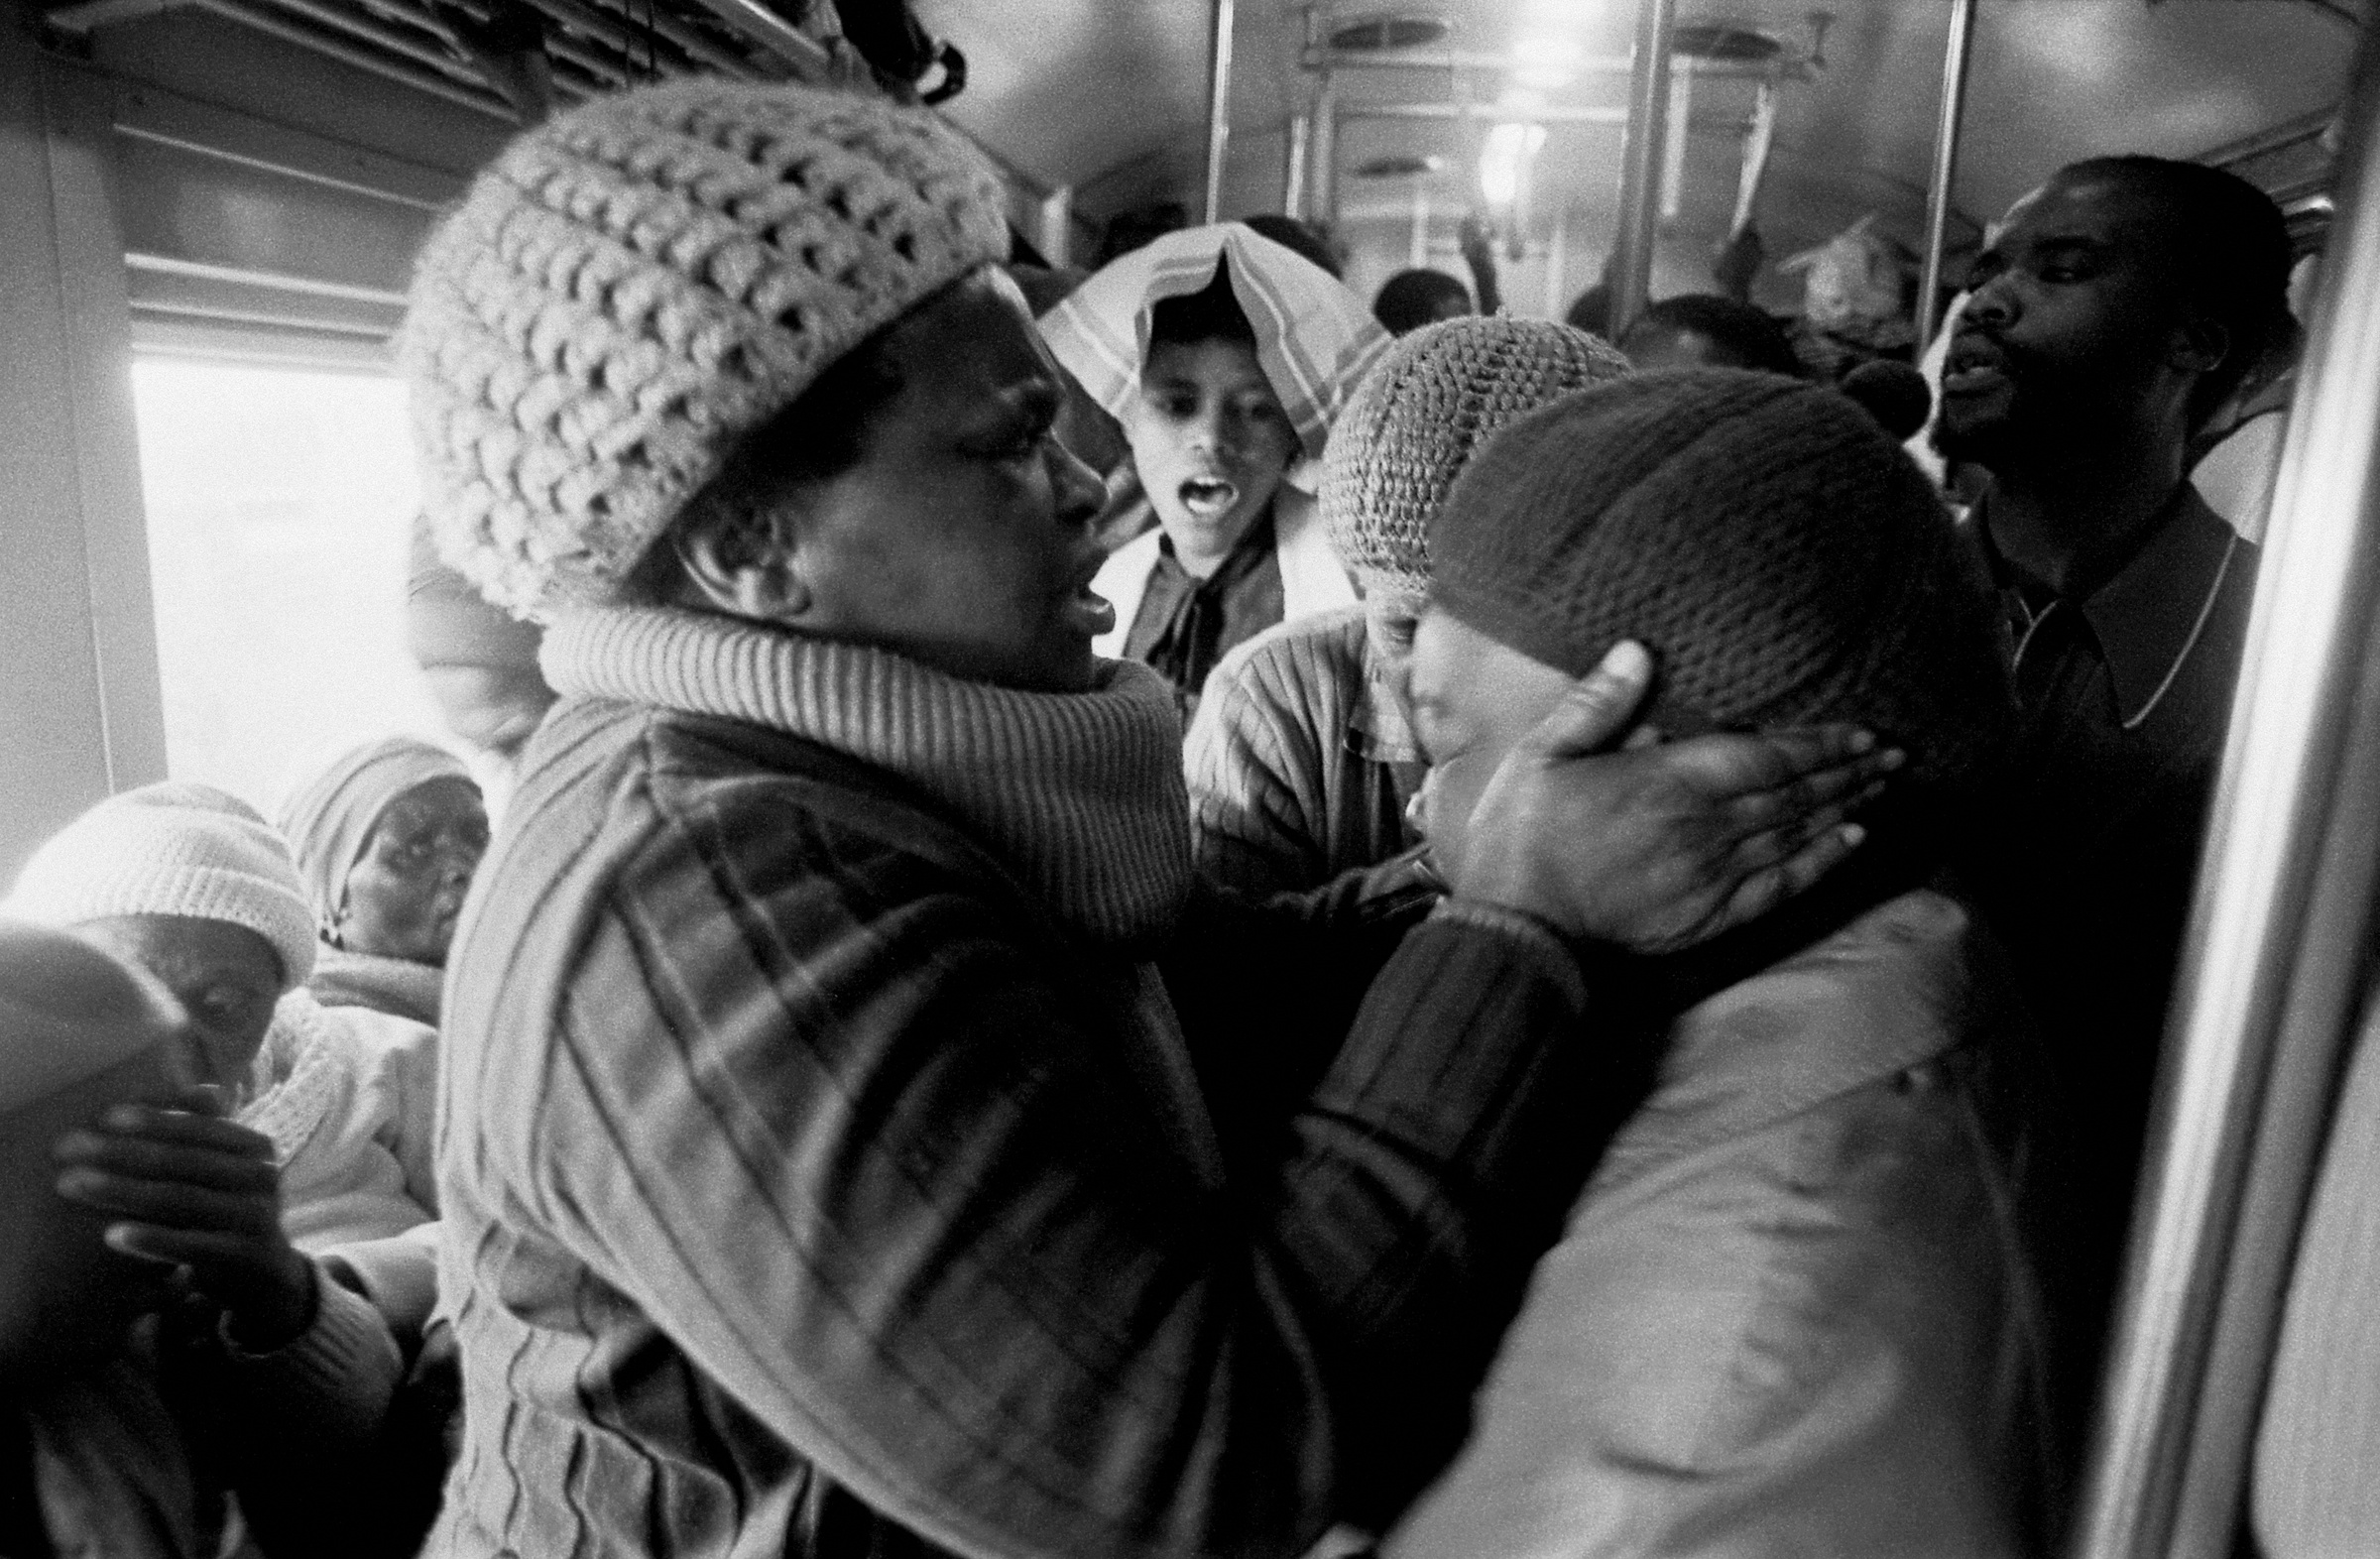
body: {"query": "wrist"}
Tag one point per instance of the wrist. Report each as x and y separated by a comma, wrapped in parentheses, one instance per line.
(277, 1317)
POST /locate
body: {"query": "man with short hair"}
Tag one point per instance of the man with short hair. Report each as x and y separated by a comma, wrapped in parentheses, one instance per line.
(2114, 309)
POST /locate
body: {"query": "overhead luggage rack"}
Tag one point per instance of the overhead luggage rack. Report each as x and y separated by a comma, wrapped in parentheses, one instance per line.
(456, 50)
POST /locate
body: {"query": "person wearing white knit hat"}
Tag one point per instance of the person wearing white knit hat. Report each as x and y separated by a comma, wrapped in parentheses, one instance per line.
(386, 836)
(132, 1419)
(191, 885)
(822, 1152)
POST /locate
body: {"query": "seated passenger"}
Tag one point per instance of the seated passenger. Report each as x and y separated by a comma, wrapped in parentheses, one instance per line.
(135, 1424)
(1410, 300)
(1226, 357)
(828, 1162)
(386, 838)
(1301, 766)
(1792, 1312)
(191, 885)
(1704, 331)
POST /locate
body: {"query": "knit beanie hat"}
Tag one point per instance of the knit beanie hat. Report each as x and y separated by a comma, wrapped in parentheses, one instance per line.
(328, 819)
(1778, 553)
(68, 1012)
(1433, 397)
(174, 848)
(633, 286)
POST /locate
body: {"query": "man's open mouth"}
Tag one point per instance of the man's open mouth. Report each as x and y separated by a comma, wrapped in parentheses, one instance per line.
(1208, 498)
(1971, 368)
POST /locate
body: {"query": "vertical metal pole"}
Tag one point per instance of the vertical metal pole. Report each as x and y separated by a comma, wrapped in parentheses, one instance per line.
(1640, 164)
(1056, 224)
(1322, 173)
(1417, 247)
(1293, 178)
(2279, 936)
(1946, 162)
(1673, 145)
(1557, 260)
(1219, 109)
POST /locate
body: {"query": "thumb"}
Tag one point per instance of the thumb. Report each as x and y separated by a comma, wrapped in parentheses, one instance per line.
(1599, 708)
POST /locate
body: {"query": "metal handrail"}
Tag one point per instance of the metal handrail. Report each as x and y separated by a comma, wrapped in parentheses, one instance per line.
(1640, 162)
(1219, 108)
(1957, 51)
(2277, 938)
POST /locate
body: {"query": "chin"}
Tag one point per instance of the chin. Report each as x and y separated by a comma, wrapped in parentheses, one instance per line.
(1975, 443)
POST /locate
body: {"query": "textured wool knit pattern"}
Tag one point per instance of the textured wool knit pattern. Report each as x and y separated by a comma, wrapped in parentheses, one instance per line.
(1433, 397)
(635, 286)
(1081, 794)
(1778, 553)
(171, 848)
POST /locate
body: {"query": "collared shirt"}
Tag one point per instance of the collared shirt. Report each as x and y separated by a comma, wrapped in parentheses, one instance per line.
(2087, 864)
(1185, 623)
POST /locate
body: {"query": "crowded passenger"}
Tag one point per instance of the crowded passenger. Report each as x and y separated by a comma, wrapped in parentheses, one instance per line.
(828, 1167)
(1705, 331)
(193, 887)
(1301, 762)
(173, 1382)
(1794, 1310)
(479, 664)
(1299, 238)
(386, 837)
(1225, 358)
(2114, 309)
(1412, 298)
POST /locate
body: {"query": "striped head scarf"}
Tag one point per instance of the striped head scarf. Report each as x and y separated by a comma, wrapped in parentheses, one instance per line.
(1314, 337)
(328, 819)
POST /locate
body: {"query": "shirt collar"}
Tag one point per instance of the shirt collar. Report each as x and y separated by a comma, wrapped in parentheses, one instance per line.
(1378, 731)
(1247, 555)
(2150, 613)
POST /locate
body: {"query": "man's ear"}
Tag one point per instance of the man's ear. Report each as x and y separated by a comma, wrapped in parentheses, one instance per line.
(2199, 344)
(746, 564)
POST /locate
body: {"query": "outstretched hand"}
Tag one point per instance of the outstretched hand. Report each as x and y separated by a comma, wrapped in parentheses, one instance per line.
(194, 1190)
(1656, 847)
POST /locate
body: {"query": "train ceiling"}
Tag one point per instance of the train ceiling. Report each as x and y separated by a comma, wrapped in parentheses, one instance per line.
(1106, 98)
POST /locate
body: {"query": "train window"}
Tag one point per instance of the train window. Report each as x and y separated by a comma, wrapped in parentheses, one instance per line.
(278, 501)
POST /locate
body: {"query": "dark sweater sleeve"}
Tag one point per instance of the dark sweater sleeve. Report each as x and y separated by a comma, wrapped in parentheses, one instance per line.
(854, 1142)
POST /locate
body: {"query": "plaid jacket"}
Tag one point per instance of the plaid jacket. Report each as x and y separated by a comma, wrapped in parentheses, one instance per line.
(808, 1191)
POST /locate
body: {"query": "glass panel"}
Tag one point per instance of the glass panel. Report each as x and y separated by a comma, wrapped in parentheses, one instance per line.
(279, 501)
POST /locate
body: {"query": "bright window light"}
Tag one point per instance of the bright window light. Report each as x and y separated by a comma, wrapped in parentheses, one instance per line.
(1506, 153)
(1544, 63)
(279, 507)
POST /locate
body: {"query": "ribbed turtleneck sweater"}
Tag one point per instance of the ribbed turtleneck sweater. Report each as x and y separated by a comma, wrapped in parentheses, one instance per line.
(1080, 795)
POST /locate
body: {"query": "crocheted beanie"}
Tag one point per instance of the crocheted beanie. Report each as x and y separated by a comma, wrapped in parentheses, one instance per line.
(174, 848)
(68, 1012)
(1783, 559)
(634, 285)
(328, 819)
(1411, 425)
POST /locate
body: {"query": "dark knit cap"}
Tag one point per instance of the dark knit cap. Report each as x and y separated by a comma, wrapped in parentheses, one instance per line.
(1783, 559)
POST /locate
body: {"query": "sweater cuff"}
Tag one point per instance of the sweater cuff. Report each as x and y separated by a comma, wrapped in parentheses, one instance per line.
(336, 1378)
(1550, 951)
